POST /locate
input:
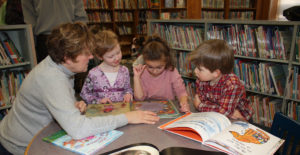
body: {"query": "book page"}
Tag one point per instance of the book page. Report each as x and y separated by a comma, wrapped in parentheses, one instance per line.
(206, 124)
(107, 109)
(244, 138)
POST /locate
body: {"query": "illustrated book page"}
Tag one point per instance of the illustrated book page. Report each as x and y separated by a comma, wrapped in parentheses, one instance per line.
(107, 109)
(216, 130)
(164, 109)
(88, 145)
(245, 138)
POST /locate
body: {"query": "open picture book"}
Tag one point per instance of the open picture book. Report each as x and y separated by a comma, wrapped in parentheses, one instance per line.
(86, 146)
(150, 149)
(164, 109)
(216, 130)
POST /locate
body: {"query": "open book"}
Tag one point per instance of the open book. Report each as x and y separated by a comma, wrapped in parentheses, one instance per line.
(150, 149)
(86, 146)
(107, 109)
(215, 130)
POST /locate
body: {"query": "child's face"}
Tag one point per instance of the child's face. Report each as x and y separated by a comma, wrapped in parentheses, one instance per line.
(113, 57)
(204, 74)
(155, 68)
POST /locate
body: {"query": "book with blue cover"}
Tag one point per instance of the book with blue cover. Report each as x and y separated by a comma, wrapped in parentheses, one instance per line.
(86, 146)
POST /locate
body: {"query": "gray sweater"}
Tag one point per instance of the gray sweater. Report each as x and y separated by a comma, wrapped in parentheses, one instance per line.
(46, 94)
(44, 15)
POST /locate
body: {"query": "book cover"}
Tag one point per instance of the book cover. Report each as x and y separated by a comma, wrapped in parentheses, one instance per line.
(216, 130)
(169, 3)
(164, 109)
(107, 109)
(150, 149)
(88, 145)
(278, 77)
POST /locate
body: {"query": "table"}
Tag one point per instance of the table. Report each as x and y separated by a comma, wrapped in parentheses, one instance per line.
(133, 133)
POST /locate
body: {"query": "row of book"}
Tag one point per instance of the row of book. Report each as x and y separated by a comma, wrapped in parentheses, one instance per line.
(171, 4)
(99, 16)
(124, 4)
(173, 15)
(141, 28)
(123, 16)
(264, 109)
(212, 15)
(240, 4)
(255, 41)
(185, 37)
(144, 15)
(124, 30)
(212, 4)
(9, 86)
(293, 110)
(145, 4)
(96, 4)
(9, 53)
(297, 48)
(248, 15)
(184, 67)
(263, 77)
(293, 86)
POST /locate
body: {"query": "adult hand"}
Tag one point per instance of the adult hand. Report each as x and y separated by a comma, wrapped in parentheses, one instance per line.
(105, 100)
(136, 117)
(81, 106)
(127, 98)
(138, 70)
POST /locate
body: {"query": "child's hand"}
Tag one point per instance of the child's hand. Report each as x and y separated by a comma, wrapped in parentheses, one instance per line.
(127, 98)
(237, 115)
(138, 70)
(185, 107)
(196, 101)
(105, 100)
(81, 106)
(136, 117)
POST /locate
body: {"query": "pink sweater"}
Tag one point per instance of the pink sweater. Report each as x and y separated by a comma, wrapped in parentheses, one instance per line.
(163, 87)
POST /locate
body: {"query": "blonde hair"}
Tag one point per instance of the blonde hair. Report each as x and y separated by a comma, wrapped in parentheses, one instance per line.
(106, 40)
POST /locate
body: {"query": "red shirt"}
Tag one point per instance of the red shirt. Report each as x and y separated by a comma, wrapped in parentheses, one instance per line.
(224, 97)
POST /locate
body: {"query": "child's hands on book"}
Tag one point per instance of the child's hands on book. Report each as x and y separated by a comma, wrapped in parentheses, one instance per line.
(237, 115)
(105, 101)
(184, 105)
(196, 101)
(127, 98)
(81, 106)
(136, 117)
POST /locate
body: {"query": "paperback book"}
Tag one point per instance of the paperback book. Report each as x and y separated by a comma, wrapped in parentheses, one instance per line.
(150, 149)
(216, 130)
(86, 146)
(164, 109)
(107, 109)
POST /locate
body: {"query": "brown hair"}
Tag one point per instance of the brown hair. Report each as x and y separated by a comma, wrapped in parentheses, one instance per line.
(213, 54)
(106, 40)
(155, 49)
(69, 40)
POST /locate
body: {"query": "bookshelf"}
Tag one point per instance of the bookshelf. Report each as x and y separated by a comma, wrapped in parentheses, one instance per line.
(255, 57)
(227, 9)
(12, 73)
(127, 18)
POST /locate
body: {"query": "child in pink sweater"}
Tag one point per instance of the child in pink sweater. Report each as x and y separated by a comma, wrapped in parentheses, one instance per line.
(158, 79)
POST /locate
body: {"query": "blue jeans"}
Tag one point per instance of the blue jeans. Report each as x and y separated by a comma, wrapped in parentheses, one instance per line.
(3, 151)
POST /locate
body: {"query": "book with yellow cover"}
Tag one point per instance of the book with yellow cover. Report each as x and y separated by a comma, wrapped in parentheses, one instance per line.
(216, 130)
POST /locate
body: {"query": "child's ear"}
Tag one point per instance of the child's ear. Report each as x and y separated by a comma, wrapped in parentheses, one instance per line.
(217, 73)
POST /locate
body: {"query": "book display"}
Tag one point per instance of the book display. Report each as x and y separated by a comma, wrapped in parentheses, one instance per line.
(17, 58)
(266, 58)
(216, 130)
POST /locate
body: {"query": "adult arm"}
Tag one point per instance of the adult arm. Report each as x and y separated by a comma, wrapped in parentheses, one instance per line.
(80, 14)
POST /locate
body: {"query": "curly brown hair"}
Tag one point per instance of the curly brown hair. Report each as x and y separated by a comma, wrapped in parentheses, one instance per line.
(156, 48)
(70, 40)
